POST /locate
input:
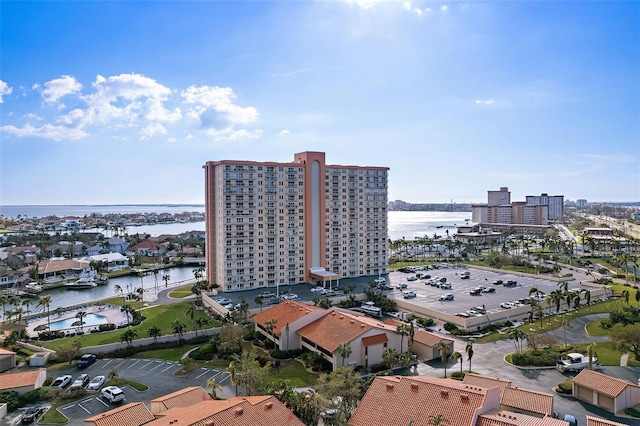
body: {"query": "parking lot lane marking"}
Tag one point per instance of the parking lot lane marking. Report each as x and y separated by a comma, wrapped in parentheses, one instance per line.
(147, 364)
(203, 373)
(168, 368)
(161, 363)
(88, 412)
(86, 400)
(66, 407)
(108, 362)
(134, 363)
(102, 402)
(118, 365)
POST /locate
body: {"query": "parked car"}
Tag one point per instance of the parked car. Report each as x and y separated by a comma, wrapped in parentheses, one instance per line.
(401, 286)
(462, 315)
(465, 277)
(32, 414)
(61, 382)
(475, 292)
(497, 282)
(86, 360)
(267, 294)
(223, 300)
(80, 382)
(571, 419)
(275, 300)
(445, 286)
(481, 287)
(412, 278)
(506, 305)
(489, 290)
(409, 295)
(448, 296)
(113, 394)
(510, 283)
(96, 383)
(291, 296)
(317, 289)
(380, 281)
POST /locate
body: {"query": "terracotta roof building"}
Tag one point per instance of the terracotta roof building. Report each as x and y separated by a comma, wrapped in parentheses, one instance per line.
(597, 421)
(134, 414)
(605, 391)
(399, 400)
(22, 381)
(182, 398)
(508, 418)
(299, 325)
(238, 411)
(7, 359)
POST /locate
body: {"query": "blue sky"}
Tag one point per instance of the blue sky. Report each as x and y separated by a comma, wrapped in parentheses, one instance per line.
(123, 102)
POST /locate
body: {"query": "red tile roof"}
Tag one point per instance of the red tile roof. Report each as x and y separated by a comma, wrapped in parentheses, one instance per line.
(238, 411)
(601, 383)
(183, 398)
(134, 414)
(597, 421)
(508, 418)
(486, 382)
(4, 351)
(19, 379)
(375, 339)
(339, 326)
(528, 400)
(284, 313)
(429, 339)
(399, 400)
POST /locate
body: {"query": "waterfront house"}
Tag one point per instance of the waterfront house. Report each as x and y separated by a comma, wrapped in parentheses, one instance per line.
(146, 248)
(112, 261)
(8, 277)
(60, 270)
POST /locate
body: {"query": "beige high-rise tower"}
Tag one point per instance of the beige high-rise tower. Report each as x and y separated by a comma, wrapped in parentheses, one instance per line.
(270, 224)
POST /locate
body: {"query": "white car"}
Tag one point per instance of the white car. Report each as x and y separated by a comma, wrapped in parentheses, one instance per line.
(61, 382)
(409, 295)
(291, 296)
(412, 278)
(113, 394)
(506, 305)
(81, 381)
(317, 289)
(96, 383)
(380, 281)
(448, 296)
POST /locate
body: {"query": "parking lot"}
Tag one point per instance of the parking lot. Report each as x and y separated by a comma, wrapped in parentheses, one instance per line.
(159, 375)
(429, 296)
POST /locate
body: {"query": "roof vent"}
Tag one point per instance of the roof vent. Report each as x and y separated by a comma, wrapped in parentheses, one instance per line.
(362, 326)
(389, 386)
(352, 321)
(268, 405)
(464, 396)
(333, 313)
(239, 411)
(209, 423)
(341, 316)
(444, 392)
(414, 385)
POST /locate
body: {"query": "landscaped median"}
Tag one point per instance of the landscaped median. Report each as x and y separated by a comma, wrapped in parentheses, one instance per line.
(546, 356)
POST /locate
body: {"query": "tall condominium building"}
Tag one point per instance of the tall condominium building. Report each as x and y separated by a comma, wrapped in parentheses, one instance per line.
(270, 223)
(555, 204)
(499, 198)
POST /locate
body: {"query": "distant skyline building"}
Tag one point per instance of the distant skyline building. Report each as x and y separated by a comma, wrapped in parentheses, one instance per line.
(581, 202)
(536, 210)
(271, 223)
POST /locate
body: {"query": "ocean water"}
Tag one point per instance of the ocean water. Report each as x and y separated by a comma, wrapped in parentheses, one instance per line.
(408, 225)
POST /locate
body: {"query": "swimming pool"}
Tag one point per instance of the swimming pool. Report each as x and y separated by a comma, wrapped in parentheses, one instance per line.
(89, 320)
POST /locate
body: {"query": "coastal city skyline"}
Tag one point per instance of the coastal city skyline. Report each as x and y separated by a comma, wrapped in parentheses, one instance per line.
(455, 98)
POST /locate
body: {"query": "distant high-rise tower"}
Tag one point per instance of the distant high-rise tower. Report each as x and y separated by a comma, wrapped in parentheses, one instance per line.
(270, 223)
(499, 198)
(555, 204)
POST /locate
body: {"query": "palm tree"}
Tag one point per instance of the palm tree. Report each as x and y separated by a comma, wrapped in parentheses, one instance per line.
(518, 337)
(113, 374)
(344, 350)
(259, 300)
(438, 420)
(118, 290)
(191, 310)
(403, 330)
(27, 303)
(591, 352)
(233, 377)
(270, 325)
(178, 328)
(390, 356)
(44, 303)
(444, 353)
(457, 356)
(215, 386)
(166, 280)
(200, 322)
(81, 315)
(587, 294)
(128, 336)
(625, 294)
(3, 301)
(469, 350)
(154, 332)
(128, 311)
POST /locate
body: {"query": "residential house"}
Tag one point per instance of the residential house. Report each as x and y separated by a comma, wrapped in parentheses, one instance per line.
(513, 398)
(146, 248)
(604, 391)
(22, 381)
(28, 254)
(597, 421)
(8, 277)
(58, 270)
(7, 359)
(116, 245)
(113, 261)
(298, 325)
(420, 400)
(425, 343)
(133, 414)
(189, 407)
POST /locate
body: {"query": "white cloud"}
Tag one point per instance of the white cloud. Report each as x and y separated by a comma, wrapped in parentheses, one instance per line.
(406, 5)
(48, 131)
(284, 132)
(365, 4)
(485, 102)
(59, 87)
(612, 158)
(32, 116)
(232, 135)
(444, 8)
(152, 130)
(219, 99)
(4, 90)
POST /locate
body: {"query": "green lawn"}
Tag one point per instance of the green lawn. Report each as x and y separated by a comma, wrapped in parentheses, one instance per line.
(181, 293)
(594, 328)
(294, 371)
(161, 316)
(168, 354)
